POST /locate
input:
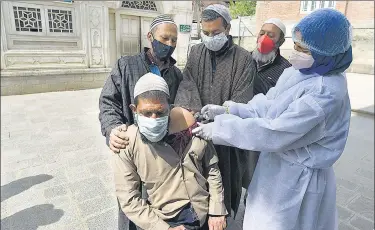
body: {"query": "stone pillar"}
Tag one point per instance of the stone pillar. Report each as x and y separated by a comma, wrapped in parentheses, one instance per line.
(182, 14)
(97, 26)
(2, 39)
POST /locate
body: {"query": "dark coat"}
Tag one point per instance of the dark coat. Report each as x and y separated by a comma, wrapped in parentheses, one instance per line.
(213, 78)
(118, 91)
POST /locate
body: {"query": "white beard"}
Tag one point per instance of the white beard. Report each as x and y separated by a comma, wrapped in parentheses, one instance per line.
(264, 58)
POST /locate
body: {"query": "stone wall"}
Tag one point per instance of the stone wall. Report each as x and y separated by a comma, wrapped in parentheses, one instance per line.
(47, 58)
(26, 82)
(45, 61)
(359, 13)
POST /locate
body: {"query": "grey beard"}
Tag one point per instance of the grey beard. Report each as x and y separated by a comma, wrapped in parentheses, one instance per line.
(264, 58)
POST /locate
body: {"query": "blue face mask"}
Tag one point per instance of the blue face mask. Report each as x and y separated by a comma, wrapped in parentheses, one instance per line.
(154, 129)
(162, 51)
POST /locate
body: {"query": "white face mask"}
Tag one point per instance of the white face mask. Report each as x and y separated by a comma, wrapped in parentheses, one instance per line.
(216, 42)
(301, 60)
(154, 129)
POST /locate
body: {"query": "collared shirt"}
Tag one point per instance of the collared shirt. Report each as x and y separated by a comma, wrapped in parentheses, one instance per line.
(171, 181)
(151, 61)
(269, 73)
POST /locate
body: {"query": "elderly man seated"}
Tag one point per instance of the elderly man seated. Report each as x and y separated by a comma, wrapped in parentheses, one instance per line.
(179, 171)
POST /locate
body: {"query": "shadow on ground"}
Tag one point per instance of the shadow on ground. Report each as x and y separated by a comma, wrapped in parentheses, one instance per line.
(33, 217)
(18, 186)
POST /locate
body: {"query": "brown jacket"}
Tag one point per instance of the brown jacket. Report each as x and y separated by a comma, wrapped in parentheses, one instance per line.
(171, 181)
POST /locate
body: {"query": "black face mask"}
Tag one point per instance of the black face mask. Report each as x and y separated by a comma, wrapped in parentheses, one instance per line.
(162, 51)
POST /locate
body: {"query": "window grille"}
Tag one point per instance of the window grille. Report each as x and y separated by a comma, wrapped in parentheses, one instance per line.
(60, 21)
(27, 19)
(140, 5)
(309, 6)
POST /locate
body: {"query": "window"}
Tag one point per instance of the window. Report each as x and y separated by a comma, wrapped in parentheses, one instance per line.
(309, 6)
(313, 5)
(27, 19)
(60, 21)
(140, 5)
(304, 5)
(42, 20)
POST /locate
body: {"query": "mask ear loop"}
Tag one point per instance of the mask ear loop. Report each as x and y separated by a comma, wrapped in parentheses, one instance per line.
(277, 44)
(152, 37)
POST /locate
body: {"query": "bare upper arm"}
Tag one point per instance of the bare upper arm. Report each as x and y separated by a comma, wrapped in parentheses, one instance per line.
(180, 119)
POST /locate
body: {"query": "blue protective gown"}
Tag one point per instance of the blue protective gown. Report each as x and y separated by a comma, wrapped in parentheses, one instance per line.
(300, 127)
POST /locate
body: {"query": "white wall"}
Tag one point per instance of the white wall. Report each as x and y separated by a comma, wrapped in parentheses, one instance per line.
(84, 47)
(182, 13)
(112, 40)
(46, 61)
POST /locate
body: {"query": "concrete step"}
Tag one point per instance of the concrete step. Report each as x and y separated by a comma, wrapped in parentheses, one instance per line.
(362, 68)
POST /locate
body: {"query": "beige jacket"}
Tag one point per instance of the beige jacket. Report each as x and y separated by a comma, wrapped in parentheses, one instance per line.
(171, 182)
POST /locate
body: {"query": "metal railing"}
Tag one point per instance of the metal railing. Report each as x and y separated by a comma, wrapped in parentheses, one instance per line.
(243, 31)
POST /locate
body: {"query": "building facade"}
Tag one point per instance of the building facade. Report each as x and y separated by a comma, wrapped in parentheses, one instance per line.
(61, 45)
(359, 13)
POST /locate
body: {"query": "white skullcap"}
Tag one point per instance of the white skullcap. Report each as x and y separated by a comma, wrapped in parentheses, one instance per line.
(160, 20)
(220, 9)
(149, 82)
(277, 22)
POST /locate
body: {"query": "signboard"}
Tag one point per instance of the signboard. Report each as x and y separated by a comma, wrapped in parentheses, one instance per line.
(185, 28)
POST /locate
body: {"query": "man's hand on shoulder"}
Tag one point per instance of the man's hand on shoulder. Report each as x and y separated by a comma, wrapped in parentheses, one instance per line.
(180, 227)
(217, 222)
(118, 139)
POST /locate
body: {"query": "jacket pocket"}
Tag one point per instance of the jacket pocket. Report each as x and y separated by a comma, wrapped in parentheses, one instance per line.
(196, 161)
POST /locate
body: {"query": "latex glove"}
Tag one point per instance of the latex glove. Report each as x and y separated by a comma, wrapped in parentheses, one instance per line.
(210, 111)
(229, 103)
(200, 118)
(204, 131)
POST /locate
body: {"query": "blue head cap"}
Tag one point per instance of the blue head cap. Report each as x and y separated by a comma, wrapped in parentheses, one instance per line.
(325, 32)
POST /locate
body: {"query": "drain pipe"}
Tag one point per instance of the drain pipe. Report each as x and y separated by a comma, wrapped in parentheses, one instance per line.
(239, 31)
(346, 7)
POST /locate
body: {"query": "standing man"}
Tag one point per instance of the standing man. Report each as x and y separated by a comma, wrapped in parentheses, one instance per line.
(269, 62)
(270, 65)
(118, 91)
(218, 70)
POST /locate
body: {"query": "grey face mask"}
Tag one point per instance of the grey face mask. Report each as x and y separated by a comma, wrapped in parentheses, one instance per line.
(216, 42)
(154, 129)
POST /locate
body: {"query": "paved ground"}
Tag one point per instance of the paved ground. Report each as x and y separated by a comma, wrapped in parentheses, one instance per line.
(55, 171)
(361, 92)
